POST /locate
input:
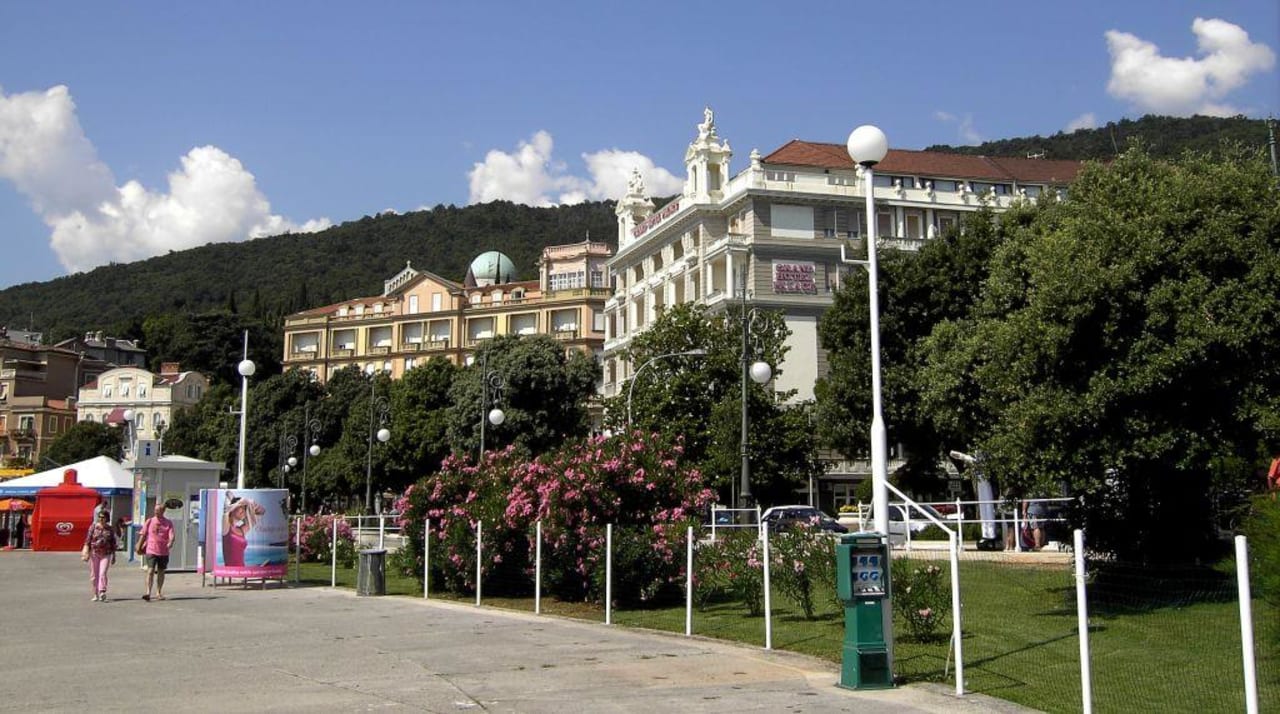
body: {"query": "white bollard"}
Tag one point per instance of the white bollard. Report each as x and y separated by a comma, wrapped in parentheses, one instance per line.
(1245, 594)
(688, 585)
(537, 569)
(956, 625)
(382, 531)
(768, 602)
(608, 574)
(1082, 624)
(333, 553)
(714, 508)
(297, 547)
(426, 559)
(479, 552)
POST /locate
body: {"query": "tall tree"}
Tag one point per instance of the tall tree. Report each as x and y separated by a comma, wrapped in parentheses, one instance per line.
(1126, 346)
(86, 440)
(544, 395)
(700, 397)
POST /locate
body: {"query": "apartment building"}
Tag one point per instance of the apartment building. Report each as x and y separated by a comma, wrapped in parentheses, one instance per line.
(777, 228)
(421, 315)
(152, 398)
(37, 396)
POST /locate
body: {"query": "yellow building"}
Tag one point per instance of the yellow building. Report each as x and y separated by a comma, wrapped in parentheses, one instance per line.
(421, 315)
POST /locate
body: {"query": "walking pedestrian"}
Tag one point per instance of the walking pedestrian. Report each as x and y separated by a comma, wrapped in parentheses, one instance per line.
(157, 534)
(100, 552)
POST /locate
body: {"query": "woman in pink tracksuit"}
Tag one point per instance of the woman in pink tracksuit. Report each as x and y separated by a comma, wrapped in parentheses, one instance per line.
(101, 542)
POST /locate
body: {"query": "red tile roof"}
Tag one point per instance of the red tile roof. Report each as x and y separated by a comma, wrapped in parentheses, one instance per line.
(930, 163)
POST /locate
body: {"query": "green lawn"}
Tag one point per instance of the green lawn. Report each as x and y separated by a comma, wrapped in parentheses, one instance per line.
(1019, 640)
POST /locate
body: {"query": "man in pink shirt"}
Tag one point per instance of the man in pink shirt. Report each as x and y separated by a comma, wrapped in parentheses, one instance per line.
(158, 533)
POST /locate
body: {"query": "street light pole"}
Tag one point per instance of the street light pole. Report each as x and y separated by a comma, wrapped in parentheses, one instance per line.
(760, 372)
(697, 352)
(867, 146)
(489, 380)
(382, 406)
(246, 368)
(312, 425)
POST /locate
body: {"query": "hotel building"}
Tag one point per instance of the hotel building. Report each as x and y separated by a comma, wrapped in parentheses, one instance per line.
(777, 227)
(421, 315)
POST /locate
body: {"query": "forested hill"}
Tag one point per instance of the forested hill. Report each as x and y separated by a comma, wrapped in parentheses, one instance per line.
(269, 277)
(1162, 136)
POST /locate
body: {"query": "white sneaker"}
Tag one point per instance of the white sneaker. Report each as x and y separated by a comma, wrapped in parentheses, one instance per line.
(102, 597)
(93, 599)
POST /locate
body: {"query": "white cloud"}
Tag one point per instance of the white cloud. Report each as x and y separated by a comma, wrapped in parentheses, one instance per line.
(1184, 86)
(1085, 121)
(532, 176)
(964, 126)
(46, 155)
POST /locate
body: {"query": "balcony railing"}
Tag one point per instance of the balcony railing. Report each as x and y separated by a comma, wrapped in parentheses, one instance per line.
(571, 334)
(343, 352)
(380, 350)
(22, 434)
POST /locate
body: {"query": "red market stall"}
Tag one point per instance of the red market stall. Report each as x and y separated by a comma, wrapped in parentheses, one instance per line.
(63, 515)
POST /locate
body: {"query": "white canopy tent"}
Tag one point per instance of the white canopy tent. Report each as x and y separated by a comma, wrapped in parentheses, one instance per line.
(104, 475)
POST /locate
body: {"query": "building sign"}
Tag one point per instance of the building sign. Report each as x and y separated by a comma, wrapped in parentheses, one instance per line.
(790, 278)
(667, 211)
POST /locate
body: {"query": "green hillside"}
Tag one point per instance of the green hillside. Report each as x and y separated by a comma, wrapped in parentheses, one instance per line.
(270, 277)
(1163, 137)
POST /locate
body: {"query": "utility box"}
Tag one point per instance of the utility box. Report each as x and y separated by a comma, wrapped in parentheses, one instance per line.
(862, 583)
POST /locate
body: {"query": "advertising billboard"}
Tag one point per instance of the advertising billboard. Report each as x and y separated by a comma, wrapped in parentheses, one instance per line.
(246, 532)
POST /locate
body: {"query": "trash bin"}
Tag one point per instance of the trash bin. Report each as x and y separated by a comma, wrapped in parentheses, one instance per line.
(371, 578)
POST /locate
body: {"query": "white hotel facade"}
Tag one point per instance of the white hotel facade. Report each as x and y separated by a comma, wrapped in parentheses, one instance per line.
(779, 225)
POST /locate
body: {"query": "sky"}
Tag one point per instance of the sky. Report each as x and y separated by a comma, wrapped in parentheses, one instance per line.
(132, 129)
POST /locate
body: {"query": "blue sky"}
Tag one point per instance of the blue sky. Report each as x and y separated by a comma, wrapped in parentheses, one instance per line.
(131, 129)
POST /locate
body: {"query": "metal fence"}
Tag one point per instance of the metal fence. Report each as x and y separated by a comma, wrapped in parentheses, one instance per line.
(1046, 628)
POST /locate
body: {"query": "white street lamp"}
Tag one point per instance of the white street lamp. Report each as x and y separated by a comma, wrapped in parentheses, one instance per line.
(867, 146)
(246, 368)
(697, 352)
(383, 407)
(760, 372)
(489, 382)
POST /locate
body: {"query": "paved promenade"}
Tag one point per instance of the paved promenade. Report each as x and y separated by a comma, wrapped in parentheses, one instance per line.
(317, 649)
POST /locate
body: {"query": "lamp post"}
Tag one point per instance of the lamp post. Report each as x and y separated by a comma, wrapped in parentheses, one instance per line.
(129, 432)
(697, 352)
(290, 442)
(246, 368)
(759, 372)
(489, 382)
(382, 407)
(867, 146)
(313, 426)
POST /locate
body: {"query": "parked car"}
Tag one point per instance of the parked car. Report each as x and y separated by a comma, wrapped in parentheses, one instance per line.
(781, 518)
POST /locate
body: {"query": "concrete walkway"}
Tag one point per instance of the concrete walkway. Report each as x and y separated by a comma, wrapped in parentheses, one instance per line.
(319, 649)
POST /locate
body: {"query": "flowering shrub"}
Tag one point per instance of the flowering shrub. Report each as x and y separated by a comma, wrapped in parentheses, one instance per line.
(732, 567)
(920, 597)
(317, 540)
(803, 564)
(635, 483)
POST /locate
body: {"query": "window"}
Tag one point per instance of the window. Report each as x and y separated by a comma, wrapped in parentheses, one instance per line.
(944, 185)
(359, 309)
(106, 391)
(437, 300)
(386, 366)
(597, 320)
(377, 308)
(843, 495)
(568, 281)
(788, 176)
(597, 279)
(53, 425)
(792, 221)
(915, 225)
(413, 304)
(142, 390)
(410, 363)
(884, 225)
(157, 421)
(342, 311)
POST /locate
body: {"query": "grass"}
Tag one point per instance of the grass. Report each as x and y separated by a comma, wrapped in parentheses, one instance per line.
(1019, 640)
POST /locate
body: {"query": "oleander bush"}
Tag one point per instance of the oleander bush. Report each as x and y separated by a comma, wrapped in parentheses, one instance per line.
(317, 540)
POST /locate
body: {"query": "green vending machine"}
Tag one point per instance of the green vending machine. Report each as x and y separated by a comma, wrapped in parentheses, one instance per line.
(862, 583)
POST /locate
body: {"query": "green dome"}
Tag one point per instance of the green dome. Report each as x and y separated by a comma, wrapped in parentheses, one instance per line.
(492, 268)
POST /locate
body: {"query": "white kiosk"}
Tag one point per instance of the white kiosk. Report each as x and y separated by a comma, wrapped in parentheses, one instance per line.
(170, 479)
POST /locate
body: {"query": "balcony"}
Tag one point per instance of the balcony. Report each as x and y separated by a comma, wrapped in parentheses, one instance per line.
(22, 434)
(566, 335)
(571, 293)
(380, 350)
(435, 345)
(342, 352)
